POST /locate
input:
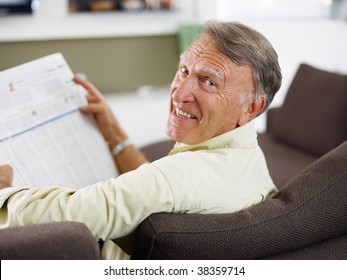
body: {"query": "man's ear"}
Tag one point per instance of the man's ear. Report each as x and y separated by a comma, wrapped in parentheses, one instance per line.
(251, 110)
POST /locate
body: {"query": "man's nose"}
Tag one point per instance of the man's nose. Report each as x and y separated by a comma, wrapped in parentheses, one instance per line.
(184, 91)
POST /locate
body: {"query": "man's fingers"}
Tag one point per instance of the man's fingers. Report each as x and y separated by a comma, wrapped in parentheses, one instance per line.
(92, 108)
(6, 175)
(6, 169)
(89, 87)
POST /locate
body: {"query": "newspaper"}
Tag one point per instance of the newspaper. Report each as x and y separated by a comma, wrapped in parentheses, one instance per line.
(43, 135)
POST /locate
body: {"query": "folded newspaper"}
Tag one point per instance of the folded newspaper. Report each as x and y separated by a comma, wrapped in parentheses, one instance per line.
(43, 135)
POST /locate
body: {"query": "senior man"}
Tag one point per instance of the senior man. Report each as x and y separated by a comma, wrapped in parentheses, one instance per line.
(226, 77)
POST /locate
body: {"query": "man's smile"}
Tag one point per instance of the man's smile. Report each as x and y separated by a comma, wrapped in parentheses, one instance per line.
(183, 114)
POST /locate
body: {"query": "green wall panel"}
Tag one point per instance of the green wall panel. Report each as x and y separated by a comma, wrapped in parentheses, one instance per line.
(112, 64)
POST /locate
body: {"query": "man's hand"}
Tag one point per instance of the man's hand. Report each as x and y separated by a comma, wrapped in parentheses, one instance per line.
(131, 157)
(6, 176)
(97, 105)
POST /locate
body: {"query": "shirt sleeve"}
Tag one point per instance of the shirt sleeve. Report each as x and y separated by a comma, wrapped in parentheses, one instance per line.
(110, 209)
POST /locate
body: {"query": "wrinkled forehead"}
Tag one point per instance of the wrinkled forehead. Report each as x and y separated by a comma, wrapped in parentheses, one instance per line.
(203, 46)
(207, 58)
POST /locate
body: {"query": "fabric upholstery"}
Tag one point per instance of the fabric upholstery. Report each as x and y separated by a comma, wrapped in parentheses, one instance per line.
(330, 249)
(314, 116)
(310, 209)
(157, 150)
(284, 161)
(54, 241)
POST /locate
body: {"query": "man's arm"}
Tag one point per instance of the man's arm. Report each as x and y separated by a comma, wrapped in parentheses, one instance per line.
(128, 159)
(110, 209)
(6, 176)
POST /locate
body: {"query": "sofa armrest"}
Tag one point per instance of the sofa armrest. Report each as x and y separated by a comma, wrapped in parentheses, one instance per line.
(53, 241)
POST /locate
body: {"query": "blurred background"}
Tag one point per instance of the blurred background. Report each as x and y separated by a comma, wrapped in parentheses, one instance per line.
(129, 48)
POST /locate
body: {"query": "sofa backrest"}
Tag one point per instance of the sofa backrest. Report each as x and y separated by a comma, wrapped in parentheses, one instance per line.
(313, 116)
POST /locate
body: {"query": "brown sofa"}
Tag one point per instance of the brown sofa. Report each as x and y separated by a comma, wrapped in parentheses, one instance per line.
(53, 241)
(306, 148)
(307, 218)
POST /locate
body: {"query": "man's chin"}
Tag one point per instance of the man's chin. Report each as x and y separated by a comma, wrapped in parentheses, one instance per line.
(175, 137)
(184, 136)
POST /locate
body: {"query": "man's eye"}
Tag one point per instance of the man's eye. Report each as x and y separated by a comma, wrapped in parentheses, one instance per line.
(184, 70)
(209, 83)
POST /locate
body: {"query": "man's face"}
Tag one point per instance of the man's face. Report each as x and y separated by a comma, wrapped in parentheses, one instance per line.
(206, 94)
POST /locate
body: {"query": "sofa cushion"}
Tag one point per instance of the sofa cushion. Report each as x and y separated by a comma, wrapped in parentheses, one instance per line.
(310, 209)
(314, 116)
(284, 161)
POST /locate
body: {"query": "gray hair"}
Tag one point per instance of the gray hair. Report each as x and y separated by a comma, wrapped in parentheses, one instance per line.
(246, 46)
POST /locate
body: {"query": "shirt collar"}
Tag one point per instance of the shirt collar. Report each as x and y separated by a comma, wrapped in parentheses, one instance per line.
(243, 137)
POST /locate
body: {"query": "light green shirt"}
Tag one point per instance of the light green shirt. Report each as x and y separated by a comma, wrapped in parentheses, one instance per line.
(225, 174)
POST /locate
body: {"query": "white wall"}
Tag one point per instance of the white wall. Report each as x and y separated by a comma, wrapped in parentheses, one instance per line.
(53, 21)
(143, 114)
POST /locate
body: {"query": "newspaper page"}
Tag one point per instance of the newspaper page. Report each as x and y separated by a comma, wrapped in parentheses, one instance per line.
(43, 135)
